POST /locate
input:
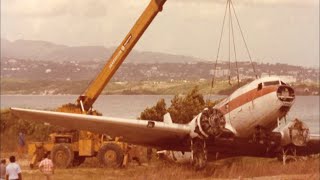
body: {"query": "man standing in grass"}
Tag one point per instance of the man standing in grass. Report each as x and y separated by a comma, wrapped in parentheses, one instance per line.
(46, 167)
(21, 144)
(13, 170)
(3, 169)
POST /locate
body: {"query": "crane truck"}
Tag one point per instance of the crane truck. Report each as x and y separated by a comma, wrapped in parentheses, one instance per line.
(73, 147)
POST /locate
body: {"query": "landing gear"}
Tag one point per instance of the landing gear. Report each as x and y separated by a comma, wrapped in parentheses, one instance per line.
(288, 154)
(199, 153)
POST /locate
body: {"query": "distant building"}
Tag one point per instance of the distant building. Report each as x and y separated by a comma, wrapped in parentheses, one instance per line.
(288, 79)
(48, 71)
(220, 72)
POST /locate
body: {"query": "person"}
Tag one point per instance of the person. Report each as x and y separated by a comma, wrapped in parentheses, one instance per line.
(46, 166)
(149, 154)
(13, 170)
(21, 143)
(3, 169)
(134, 153)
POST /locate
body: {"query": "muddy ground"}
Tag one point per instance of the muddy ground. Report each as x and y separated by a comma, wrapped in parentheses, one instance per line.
(230, 168)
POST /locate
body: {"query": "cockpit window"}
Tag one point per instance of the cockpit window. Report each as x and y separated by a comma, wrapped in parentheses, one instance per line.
(282, 83)
(270, 83)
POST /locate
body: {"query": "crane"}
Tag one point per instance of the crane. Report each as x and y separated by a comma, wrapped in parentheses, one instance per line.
(70, 149)
(86, 100)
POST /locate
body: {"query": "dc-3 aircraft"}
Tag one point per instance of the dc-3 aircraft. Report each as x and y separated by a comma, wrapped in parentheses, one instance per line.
(241, 124)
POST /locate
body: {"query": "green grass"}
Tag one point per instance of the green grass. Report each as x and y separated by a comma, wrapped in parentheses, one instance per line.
(18, 86)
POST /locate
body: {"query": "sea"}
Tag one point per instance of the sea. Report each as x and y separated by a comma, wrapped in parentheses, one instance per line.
(305, 108)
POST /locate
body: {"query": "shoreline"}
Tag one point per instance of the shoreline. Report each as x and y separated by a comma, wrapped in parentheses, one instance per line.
(116, 94)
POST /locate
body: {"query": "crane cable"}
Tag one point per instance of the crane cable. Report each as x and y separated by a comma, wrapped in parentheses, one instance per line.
(234, 48)
(219, 46)
(228, 8)
(229, 49)
(244, 40)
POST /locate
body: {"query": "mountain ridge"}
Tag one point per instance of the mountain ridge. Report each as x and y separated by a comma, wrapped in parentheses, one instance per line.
(48, 51)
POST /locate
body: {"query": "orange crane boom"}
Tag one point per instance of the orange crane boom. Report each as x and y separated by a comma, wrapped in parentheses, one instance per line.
(86, 100)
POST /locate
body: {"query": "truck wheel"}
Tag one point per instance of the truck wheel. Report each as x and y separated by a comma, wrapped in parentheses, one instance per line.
(111, 155)
(62, 155)
(78, 160)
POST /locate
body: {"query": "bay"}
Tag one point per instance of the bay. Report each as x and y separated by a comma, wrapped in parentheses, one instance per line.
(306, 108)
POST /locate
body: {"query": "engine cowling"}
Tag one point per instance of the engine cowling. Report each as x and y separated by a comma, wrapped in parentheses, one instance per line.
(210, 122)
(296, 132)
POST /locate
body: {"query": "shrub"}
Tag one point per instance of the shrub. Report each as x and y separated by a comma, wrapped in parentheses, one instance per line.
(182, 109)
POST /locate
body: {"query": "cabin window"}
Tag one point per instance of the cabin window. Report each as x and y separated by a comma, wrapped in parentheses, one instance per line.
(270, 83)
(259, 86)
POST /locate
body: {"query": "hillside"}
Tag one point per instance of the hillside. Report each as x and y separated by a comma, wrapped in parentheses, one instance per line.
(47, 51)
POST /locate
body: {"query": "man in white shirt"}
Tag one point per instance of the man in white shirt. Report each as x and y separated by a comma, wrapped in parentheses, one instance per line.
(13, 170)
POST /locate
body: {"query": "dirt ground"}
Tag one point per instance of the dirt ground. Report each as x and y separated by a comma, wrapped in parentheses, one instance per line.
(230, 168)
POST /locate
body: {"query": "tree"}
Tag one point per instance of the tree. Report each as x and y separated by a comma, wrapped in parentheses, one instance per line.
(184, 108)
(156, 112)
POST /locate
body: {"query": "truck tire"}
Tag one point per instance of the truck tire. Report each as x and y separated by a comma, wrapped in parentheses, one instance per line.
(111, 155)
(62, 155)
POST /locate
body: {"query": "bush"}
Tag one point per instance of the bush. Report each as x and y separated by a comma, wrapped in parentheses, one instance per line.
(156, 112)
(12, 125)
(182, 109)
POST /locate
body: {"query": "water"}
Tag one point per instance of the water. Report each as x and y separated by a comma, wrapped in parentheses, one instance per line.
(305, 108)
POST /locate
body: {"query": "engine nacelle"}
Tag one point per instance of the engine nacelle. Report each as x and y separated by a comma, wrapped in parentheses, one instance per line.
(210, 122)
(296, 132)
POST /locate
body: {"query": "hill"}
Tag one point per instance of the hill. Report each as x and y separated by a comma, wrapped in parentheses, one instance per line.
(47, 51)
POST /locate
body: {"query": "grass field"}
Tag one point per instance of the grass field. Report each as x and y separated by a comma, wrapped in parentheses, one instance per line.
(230, 168)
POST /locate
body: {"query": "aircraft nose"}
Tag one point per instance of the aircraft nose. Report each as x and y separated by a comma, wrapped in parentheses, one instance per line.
(285, 93)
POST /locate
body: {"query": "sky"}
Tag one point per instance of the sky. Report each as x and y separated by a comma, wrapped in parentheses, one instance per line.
(276, 31)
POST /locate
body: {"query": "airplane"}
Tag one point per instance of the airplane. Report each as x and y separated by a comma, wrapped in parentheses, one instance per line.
(241, 124)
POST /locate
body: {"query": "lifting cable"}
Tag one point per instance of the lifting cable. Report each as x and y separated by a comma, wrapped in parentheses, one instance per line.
(229, 52)
(217, 57)
(244, 40)
(230, 8)
(234, 47)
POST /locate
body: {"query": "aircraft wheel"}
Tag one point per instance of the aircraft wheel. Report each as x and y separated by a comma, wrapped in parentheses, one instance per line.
(288, 154)
(111, 155)
(199, 160)
(62, 155)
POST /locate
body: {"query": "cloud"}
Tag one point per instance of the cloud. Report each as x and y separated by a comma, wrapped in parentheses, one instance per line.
(281, 28)
(257, 2)
(40, 8)
(96, 8)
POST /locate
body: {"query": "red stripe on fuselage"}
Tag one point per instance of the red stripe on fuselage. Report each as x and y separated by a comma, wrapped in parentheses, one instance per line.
(246, 97)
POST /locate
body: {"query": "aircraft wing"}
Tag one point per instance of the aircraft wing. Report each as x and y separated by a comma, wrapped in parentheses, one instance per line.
(314, 138)
(149, 133)
(313, 145)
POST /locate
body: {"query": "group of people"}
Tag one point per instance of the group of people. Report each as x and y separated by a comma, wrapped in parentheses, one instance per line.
(12, 171)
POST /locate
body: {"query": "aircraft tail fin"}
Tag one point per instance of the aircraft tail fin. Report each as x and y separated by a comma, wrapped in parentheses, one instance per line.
(167, 118)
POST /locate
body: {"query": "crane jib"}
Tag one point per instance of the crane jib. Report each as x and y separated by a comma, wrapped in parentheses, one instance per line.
(97, 85)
